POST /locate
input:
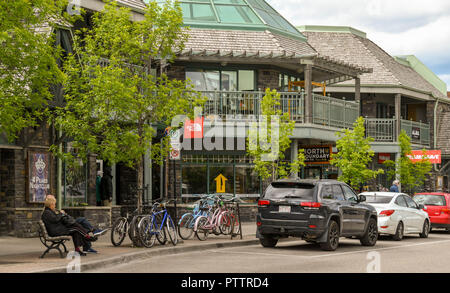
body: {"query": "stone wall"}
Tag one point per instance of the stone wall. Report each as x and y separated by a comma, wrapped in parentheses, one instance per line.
(99, 217)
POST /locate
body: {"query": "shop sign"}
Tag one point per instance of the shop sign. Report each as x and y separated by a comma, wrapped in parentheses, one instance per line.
(435, 157)
(194, 129)
(221, 183)
(383, 158)
(318, 154)
(415, 133)
(39, 164)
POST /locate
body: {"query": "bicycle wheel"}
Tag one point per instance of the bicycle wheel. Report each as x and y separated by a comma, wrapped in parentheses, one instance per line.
(119, 231)
(133, 232)
(159, 229)
(146, 233)
(226, 223)
(201, 231)
(171, 231)
(186, 226)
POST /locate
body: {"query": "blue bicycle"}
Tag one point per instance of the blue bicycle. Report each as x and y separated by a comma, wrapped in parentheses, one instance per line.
(156, 226)
(187, 221)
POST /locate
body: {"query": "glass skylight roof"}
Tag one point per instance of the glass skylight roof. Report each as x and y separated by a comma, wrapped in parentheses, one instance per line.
(235, 14)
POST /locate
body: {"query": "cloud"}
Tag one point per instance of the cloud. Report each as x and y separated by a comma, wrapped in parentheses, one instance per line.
(400, 27)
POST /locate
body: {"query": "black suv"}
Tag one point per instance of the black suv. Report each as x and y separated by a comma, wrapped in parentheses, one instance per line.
(318, 211)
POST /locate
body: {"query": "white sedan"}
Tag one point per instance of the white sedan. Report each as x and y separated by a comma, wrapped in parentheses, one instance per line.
(398, 214)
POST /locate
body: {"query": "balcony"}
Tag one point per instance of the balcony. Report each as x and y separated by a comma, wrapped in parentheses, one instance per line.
(246, 106)
(383, 130)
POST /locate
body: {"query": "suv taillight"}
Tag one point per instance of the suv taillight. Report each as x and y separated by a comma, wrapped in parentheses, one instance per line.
(263, 203)
(445, 211)
(386, 213)
(310, 205)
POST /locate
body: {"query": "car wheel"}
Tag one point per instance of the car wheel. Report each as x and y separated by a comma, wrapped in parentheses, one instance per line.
(425, 230)
(268, 241)
(371, 236)
(332, 242)
(399, 232)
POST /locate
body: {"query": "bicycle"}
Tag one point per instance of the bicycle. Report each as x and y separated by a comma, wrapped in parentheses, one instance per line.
(155, 225)
(126, 225)
(204, 224)
(187, 221)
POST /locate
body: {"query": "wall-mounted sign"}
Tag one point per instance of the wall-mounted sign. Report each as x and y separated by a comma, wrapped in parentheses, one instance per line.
(435, 157)
(318, 155)
(194, 129)
(39, 176)
(383, 157)
(415, 133)
(221, 183)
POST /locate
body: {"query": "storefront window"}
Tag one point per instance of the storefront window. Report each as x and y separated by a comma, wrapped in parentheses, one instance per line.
(227, 80)
(247, 181)
(217, 183)
(194, 179)
(74, 181)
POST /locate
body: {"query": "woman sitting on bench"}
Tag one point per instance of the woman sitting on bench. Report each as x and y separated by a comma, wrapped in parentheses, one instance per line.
(59, 223)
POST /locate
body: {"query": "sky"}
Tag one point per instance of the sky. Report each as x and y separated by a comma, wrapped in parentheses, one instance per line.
(400, 27)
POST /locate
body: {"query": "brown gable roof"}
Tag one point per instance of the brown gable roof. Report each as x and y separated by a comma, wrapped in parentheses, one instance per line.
(358, 50)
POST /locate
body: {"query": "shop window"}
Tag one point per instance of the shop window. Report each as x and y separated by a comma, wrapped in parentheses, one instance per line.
(74, 180)
(247, 180)
(226, 80)
(194, 179)
(215, 183)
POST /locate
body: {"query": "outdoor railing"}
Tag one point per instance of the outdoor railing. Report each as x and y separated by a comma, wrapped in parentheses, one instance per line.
(247, 105)
(418, 131)
(381, 130)
(332, 112)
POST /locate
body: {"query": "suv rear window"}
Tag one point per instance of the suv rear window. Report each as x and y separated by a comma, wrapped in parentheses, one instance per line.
(430, 200)
(280, 190)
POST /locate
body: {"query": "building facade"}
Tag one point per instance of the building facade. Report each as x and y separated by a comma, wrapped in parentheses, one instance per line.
(236, 50)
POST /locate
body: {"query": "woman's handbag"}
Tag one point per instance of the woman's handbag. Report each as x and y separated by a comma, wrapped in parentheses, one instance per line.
(68, 220)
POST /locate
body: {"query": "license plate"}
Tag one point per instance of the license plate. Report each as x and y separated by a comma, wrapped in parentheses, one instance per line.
(285, 209)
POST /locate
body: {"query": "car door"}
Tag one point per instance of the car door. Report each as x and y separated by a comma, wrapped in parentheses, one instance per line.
(359, 211)
(402, 210)
(415, 217)
(336, 200)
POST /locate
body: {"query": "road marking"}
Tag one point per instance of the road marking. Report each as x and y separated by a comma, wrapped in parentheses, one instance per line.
(331, 254)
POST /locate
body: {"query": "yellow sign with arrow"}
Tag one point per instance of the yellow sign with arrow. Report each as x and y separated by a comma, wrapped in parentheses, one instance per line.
(221, 183)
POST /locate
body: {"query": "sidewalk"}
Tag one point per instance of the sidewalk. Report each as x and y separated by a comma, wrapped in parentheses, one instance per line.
(21, 255)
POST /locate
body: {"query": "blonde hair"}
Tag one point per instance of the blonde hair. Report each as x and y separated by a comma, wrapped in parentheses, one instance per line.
(49, 200)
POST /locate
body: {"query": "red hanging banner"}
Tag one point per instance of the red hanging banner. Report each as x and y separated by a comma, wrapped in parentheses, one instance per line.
(435, 157)
(194, 129)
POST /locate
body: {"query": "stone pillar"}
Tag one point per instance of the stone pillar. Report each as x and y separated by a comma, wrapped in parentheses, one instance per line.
(358, 89)
(294, 154)
(308, 94)
(398, 114)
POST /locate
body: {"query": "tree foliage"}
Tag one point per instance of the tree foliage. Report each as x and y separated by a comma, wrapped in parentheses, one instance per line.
(113, 94)
(411, 175)
(28, 61)
(268, 141)
(354, 156)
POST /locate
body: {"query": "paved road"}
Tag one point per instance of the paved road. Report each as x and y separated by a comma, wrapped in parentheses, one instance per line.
(412, 255)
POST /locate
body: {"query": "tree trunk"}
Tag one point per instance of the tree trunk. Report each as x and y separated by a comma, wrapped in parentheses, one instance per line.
(140, 185)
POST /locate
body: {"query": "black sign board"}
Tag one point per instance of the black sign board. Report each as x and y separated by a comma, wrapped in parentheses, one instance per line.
(319, 155)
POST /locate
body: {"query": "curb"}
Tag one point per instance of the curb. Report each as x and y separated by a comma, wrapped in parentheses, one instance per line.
(129, 257)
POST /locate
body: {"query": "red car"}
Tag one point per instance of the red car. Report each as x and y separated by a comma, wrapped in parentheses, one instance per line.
(437, 206)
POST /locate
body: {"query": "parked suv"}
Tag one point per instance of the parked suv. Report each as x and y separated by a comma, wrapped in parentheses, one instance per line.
(437, 206)
(318, 211)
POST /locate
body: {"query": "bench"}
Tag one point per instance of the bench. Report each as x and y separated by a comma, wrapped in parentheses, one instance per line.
(52, 242)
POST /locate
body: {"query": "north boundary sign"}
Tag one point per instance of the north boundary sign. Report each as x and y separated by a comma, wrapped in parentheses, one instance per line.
(318, 155)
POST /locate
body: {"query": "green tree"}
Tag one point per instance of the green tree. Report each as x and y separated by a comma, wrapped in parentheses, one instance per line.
(28, 62)
(354, 156)
(268, 141)
(411, 175)
(113, 95)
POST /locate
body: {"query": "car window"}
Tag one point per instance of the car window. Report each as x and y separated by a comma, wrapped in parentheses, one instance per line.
(401, 201)
(327, 192)
(349, 194)
(338, 194)
(283, 190)
(411, 204)
(374, 198)
(430, 200)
